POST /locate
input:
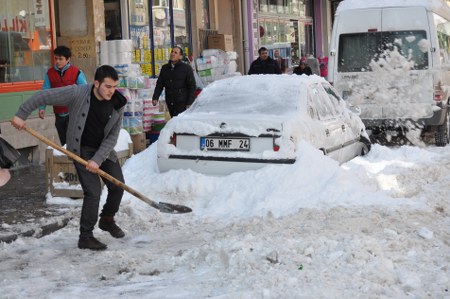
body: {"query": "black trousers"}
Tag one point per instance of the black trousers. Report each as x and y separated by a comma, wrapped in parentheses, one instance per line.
(175, 108)
(61, 124)
(92, 189)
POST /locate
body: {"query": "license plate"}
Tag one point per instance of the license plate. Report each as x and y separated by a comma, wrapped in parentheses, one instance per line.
(224, 144)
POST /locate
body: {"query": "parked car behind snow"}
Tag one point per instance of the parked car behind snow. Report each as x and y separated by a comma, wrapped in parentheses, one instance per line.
(247, 122)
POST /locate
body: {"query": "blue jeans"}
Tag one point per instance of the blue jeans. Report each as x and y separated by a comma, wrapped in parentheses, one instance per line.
(92, 189)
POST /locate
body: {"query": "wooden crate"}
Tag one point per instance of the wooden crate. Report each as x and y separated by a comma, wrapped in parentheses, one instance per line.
(62, 177)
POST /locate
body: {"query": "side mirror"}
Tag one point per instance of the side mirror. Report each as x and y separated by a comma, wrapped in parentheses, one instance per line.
(355, 109)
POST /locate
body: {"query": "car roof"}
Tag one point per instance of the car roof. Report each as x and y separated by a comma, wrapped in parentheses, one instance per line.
(263, 94)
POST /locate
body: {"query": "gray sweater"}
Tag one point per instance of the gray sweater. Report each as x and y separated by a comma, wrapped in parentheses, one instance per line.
(77, 98)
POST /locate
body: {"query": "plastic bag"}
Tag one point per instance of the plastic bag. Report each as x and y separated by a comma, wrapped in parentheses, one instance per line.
(8, 154)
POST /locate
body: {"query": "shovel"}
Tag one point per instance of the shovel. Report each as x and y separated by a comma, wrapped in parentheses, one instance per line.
(161, 206)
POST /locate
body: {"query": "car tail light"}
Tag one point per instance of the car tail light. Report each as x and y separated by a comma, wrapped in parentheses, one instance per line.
(438, 92)
(173, 139)
(276, 146)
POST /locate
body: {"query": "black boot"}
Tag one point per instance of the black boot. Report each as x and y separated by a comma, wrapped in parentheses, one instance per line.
(108, 224)
(91, 243)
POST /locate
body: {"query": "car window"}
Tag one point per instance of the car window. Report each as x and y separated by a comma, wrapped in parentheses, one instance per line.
(321, 102)
(334, 99)
(312, 109)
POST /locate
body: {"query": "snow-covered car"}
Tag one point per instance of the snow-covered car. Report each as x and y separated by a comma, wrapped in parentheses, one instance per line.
(247, 122)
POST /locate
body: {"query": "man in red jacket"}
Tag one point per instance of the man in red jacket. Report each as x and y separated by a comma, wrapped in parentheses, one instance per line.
(61, 74)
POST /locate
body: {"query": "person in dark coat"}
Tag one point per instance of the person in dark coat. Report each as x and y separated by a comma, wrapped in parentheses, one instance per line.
(303, 68)
(177, 78)
(264, 64)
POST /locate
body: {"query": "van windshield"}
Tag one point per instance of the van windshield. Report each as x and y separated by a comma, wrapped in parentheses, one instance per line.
(357, 50)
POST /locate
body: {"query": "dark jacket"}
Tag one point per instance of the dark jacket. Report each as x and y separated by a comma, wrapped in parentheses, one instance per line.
(268, 66)
(307, 70)
(179, 84)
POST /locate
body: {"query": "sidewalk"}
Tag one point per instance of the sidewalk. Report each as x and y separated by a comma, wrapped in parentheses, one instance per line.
(24, 211)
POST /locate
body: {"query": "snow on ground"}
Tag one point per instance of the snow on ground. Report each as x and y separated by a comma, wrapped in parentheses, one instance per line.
(375, 227)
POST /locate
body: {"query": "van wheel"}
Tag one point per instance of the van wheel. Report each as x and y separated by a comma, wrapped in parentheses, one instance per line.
(443, 131)
(366, 145)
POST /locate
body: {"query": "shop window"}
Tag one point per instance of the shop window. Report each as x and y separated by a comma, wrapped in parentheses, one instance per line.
(291, 39)
(170, 28)
(300, 8)
(113, 25)
(25, 40)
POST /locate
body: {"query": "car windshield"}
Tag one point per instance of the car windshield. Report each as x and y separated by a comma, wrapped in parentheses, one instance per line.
(357, 50)
(256, 94)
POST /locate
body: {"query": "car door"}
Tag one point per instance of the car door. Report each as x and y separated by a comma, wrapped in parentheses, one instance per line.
(350, 129)
(331, 125)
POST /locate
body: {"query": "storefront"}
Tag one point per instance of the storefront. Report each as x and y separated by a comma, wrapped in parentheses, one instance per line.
(154, 26)
(26, 40)
(286, 29)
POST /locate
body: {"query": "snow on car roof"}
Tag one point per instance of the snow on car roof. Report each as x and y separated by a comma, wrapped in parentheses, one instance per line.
(262, 94)
(360, 4)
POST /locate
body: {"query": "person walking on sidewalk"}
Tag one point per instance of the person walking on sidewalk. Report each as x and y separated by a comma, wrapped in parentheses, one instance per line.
(264, 64)
(96, 113)
(177, 78)
(302, 68)
(61, 74)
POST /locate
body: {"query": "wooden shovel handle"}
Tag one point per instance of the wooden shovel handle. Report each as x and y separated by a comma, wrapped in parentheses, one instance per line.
(84, 163)
(161, 206)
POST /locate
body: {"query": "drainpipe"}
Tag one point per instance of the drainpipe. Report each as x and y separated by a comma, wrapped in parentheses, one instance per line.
(124, 19)
(318, 28)
(247, 17)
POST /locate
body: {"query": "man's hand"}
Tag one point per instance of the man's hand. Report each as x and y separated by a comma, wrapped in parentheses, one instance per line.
(92, 166)
(42, 114)
(18, 123)
(155, 102)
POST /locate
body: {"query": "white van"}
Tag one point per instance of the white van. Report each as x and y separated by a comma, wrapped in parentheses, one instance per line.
(392, 59)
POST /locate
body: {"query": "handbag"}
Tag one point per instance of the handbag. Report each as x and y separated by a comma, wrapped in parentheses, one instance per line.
(8, 154)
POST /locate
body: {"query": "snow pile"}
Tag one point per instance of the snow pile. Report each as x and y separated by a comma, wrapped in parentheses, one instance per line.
(375, 227)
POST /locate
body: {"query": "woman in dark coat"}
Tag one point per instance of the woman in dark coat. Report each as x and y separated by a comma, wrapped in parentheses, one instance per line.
(303, 68)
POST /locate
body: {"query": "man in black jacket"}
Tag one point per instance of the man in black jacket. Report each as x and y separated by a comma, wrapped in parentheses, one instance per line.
(178, 80)
(264, 64)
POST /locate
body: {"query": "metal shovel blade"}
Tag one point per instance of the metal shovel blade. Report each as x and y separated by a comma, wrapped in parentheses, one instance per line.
(173, 209)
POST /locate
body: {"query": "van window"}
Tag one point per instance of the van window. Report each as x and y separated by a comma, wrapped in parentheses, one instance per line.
(357, 50)
(443, 33)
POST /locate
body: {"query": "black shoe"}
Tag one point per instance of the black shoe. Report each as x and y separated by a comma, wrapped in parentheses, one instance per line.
(91, 243)
(110, 226)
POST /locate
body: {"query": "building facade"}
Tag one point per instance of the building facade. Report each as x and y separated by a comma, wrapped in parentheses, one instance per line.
(31, 29)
